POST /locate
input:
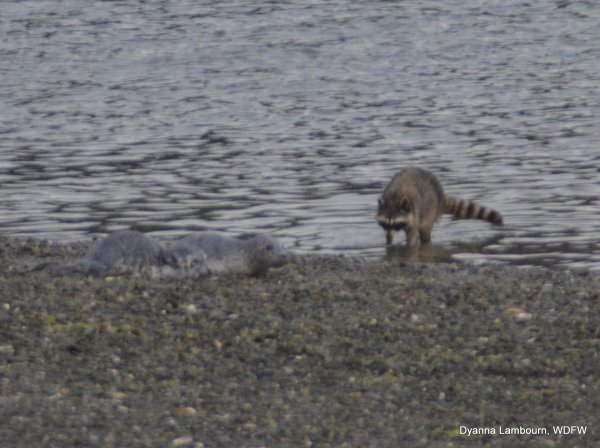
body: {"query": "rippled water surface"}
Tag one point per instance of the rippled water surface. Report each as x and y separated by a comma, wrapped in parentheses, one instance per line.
(290, 117)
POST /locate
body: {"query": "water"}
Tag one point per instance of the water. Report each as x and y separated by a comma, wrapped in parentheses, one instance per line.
(290, 117)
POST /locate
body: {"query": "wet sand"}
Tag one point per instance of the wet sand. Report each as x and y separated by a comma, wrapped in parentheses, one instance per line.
(324, 351)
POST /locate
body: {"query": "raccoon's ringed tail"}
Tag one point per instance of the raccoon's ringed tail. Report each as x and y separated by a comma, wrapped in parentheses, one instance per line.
(463, 209)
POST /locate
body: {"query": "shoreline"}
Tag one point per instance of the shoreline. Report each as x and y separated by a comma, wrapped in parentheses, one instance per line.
(324, 351)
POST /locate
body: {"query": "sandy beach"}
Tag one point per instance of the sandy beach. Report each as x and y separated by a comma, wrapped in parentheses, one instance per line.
(323, 352)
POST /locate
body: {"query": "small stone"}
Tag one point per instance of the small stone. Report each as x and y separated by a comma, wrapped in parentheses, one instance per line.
(519, 314)
(118, 395)
(6, 349)
(344, 295)
(181, 441)
(523, 317)
(186, 411)
(171, 422)
(190, 309)
(511, 311)
(523, 363)
(416, 318)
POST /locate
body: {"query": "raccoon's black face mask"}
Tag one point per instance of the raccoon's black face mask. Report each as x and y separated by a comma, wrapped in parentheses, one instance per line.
(393, 217)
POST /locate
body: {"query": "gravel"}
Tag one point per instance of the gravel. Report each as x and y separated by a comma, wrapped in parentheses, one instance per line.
(324, 351)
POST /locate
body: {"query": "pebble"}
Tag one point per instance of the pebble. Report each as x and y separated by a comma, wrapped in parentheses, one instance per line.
(181, 441)
(7, 349)
(186, 411)
(518, 314)
(190, 309)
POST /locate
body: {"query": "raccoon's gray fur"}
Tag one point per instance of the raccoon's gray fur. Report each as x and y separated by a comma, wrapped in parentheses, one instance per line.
(414, 200)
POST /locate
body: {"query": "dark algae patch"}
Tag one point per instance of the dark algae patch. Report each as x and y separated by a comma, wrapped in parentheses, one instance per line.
(323, 351)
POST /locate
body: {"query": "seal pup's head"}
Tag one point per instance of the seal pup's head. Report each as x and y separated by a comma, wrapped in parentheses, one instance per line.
(263, 252)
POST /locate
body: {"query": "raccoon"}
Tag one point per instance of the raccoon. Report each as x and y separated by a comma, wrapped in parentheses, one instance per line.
(414, 200)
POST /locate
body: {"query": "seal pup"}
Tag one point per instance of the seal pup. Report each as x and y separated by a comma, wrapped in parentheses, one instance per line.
(251, 256)
(414, 200)
(198, 254)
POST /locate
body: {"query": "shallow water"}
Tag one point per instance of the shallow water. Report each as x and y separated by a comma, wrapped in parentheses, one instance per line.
(249, 116)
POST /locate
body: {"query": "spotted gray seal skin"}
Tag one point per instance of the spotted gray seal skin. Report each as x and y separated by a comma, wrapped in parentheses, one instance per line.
(251, 256)
(118, 253)
(125, 249)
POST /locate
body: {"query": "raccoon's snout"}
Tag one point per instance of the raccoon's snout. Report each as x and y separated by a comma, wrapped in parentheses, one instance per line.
(393, 227)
